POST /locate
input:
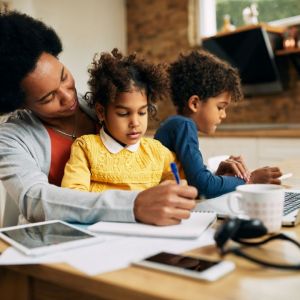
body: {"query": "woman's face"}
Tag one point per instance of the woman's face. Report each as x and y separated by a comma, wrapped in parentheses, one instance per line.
(50, 90)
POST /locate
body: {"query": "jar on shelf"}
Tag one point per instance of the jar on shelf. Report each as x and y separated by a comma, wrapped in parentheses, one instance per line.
(250, 14)
(227, 25)
(290, 38)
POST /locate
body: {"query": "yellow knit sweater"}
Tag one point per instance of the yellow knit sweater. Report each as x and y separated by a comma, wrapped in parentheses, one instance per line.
(92, 167)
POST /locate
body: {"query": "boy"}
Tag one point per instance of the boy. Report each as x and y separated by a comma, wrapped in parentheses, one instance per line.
(202, 87)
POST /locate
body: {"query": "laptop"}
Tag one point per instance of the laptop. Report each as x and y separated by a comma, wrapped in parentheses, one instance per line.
(291, 210)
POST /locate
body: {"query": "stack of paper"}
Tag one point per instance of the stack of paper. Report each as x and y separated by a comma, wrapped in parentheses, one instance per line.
(187, 229)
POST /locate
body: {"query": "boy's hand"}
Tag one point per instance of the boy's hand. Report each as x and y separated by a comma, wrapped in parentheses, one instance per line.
(165, 204)
(265, 175)
(234, 166)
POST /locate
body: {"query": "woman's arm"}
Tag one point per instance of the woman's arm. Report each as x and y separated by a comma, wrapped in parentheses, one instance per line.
(25, 163)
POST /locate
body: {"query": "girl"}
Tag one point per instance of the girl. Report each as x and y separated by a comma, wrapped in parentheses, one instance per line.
(123, 93)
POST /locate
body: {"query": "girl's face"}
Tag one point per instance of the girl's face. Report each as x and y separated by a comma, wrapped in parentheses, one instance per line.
(50, 90)
(126, 118)
(207, 115)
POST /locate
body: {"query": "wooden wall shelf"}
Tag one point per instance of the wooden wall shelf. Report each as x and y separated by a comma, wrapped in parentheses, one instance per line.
(287, 51)
(268, 28)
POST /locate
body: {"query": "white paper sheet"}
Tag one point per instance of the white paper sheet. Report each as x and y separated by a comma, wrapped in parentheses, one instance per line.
(12, 256)
(121, 252)
(115, 253)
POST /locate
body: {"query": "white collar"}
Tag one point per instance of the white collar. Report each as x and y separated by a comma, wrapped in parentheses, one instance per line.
(113, 146)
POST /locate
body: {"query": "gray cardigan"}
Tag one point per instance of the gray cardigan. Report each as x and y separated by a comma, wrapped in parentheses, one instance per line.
(25, 155)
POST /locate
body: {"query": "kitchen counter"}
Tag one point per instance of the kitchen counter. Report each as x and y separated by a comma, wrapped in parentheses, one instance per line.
(252, 130)
(260, 144)
(266, 133)
(258, 130)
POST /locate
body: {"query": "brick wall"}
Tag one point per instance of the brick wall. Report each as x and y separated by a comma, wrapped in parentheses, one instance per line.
(158, 29)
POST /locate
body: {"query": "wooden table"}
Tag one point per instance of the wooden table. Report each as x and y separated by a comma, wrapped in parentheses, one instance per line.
(248, 281)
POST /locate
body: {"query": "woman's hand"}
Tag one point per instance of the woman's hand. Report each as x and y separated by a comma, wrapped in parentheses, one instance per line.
(165, 204)
(265, 175)
(234, 166)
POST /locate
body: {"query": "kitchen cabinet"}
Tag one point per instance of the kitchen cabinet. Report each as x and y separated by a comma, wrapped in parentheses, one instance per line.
(257, 151)
(292, 54)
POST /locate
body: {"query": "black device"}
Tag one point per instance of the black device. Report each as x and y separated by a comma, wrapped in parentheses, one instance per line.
(251, 52)
(193, 267)
(240, 230)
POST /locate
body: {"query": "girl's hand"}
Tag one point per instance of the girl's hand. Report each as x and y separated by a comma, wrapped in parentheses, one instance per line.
(266, 175)
(234, 166)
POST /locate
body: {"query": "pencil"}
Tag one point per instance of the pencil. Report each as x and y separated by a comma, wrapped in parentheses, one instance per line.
(285, 176)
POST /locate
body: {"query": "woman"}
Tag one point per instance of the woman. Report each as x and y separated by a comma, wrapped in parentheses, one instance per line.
(35, 142)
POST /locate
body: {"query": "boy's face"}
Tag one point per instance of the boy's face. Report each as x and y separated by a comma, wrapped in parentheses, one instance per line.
(207, 115)
(127, 118)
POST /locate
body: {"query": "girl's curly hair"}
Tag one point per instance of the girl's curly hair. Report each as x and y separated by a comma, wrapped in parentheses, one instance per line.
(113, 73)
(203, 74)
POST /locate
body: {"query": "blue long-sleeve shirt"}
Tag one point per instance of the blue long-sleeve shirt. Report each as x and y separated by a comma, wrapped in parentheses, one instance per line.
(180, 135)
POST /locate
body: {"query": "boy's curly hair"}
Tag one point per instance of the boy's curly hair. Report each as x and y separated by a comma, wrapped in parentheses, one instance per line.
(22, 41)
(203, 74)
(113, 73)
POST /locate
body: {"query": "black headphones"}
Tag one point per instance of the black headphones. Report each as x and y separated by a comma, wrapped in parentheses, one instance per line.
(239, 230)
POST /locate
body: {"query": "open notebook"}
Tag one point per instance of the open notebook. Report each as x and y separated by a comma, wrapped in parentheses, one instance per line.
(291, 212)
(188, 229)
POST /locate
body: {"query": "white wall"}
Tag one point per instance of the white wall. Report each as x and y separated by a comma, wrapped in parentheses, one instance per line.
(84, 26)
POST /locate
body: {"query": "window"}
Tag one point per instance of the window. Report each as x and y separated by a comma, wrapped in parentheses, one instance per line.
(275, 12)
(4, 6)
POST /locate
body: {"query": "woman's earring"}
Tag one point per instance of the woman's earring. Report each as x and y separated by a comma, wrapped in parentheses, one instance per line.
(100, 122)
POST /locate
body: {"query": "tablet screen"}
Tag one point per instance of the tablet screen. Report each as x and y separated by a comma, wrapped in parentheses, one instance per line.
(45, 235)
(180, 261)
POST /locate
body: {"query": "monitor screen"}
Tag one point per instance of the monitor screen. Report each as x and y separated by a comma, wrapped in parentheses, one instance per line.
(251, 53)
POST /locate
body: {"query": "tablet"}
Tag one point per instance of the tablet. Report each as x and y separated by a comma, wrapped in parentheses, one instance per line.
(46, 237)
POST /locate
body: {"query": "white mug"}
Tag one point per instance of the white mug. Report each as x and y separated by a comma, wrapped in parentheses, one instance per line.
(259, 201)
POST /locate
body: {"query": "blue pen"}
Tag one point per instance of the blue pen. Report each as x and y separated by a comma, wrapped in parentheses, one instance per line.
(175, 172)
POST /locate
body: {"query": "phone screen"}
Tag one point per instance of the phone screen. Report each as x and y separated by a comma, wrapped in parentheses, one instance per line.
(45, 235)
(184, 262)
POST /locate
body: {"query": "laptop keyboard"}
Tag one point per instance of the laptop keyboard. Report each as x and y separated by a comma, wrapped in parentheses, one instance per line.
(291, 202)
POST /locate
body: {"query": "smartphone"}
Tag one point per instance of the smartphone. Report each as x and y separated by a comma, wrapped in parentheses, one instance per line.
(46, 237)
(187, 266)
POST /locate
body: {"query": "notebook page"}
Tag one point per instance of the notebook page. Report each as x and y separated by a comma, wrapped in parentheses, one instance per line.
(187, 229)
(218, 205)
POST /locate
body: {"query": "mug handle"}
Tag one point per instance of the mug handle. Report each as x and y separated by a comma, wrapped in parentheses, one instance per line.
(235, 197)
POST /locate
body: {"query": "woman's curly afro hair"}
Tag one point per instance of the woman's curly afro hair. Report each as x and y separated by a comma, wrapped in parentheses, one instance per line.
(201, 73)
(113, 73)
(22, 41)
